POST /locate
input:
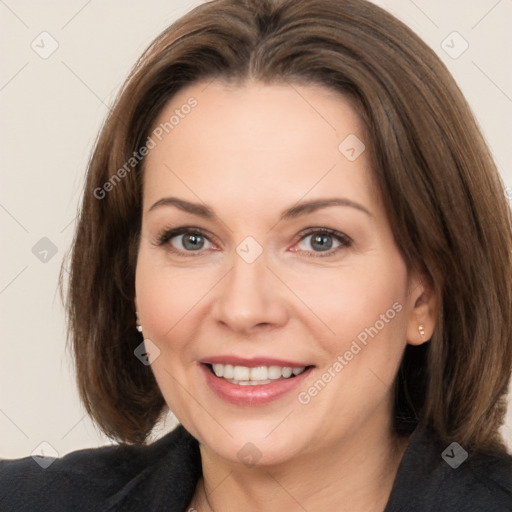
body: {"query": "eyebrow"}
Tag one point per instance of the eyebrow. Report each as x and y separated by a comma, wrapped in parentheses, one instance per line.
(290, 213)
(194, 208)
(311, 206)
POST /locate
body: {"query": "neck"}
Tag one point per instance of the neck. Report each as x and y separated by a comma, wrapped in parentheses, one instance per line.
(356, 475)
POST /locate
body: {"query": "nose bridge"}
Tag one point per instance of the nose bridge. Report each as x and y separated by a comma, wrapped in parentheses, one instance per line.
(246, 277)
(246, 299)
(246, 283)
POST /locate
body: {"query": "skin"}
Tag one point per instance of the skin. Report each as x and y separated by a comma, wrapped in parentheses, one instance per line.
(250, 152)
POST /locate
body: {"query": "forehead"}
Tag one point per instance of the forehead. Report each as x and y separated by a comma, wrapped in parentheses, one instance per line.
(253, 138)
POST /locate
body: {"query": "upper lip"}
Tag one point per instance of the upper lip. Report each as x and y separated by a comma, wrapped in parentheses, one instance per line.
(252, 362)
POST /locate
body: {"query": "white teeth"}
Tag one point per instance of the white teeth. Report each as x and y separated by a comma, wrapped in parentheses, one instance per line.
(274, 372)
(286, 372)
(228, 371)
(245, 376)
(241, 373)
(218, 369)
(259, 373)
(250, 382)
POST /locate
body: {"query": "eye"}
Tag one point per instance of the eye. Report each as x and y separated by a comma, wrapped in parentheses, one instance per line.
(189, 241)
(185, 240)
(323, 240)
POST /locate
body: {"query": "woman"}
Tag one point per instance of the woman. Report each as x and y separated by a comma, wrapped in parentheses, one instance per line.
(293, 236)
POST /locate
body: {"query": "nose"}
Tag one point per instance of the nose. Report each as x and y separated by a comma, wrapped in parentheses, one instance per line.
(250, 299)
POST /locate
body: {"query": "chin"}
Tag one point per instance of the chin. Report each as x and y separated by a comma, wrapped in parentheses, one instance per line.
(254, 442)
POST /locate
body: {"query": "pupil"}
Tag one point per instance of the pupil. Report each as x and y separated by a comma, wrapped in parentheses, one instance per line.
(193, 242)
(321, 242)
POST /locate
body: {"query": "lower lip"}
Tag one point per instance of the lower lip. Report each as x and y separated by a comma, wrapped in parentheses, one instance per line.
(252, 395)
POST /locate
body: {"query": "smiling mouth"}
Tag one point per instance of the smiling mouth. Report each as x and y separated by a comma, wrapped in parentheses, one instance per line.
(254, 376)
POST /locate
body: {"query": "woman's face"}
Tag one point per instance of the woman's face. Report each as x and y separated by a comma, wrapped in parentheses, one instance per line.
(265, 251)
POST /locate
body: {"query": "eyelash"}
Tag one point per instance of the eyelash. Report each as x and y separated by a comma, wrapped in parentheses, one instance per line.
(168, 235)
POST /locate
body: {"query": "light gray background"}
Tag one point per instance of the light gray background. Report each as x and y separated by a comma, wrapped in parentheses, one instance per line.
(51, 110)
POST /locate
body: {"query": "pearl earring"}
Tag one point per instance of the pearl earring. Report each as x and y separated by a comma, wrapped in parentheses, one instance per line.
(421, 329)
(139, 327)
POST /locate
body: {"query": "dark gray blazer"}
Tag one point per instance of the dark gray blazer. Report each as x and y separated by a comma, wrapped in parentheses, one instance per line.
(162, 477)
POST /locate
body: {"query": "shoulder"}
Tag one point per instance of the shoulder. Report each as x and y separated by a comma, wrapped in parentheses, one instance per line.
(97, 478)
(487, 480)
(435, 477)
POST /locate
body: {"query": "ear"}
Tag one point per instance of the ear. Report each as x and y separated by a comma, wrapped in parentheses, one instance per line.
(422, 310)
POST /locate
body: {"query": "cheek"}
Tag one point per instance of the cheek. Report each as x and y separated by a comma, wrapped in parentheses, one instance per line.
(167, 301)
(348, 301)
(361, 325)
(373, 328)
(167, 298)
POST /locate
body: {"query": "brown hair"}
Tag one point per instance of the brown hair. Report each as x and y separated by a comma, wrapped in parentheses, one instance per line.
(440, 187)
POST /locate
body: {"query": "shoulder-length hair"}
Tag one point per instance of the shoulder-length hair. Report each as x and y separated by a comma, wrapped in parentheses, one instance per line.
(440, 187)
